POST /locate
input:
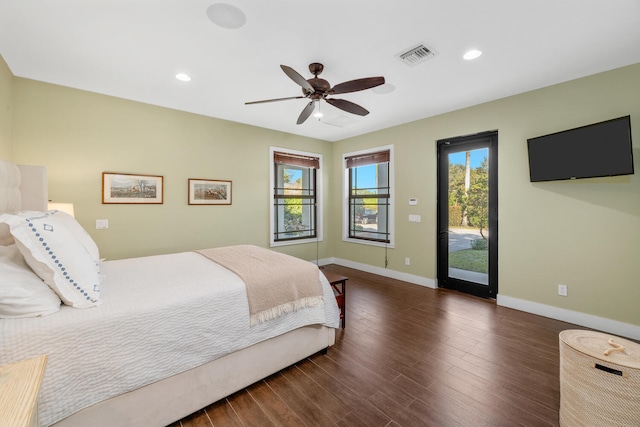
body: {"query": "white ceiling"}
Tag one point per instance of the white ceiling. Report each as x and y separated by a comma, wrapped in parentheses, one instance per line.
(133, 48)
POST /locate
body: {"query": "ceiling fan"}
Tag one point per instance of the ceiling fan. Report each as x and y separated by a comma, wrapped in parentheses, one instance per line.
(317, 89)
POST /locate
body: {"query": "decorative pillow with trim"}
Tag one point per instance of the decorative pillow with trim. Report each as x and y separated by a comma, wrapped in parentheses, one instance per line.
(22, 292)
(60, 252)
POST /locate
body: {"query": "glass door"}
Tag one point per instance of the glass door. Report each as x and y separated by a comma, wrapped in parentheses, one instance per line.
(467, 214)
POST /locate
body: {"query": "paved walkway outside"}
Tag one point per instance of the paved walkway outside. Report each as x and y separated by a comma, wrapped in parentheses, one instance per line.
(459, 239)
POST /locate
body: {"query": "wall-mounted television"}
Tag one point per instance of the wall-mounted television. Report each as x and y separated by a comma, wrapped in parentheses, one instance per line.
(597, 150)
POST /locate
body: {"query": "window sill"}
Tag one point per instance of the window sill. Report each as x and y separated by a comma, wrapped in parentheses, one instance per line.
(368, 242)
(295, 242)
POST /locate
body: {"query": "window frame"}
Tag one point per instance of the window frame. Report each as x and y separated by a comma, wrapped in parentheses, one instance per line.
(273, 199)
(346, 198)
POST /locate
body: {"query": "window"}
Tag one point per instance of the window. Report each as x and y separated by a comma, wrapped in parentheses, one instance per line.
(294, 196)
(368, 186)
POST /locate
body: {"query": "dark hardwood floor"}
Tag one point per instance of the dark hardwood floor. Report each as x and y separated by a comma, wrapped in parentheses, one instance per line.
(411, 356)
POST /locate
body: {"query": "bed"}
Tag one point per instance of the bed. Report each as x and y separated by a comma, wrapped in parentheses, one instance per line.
(158, 338)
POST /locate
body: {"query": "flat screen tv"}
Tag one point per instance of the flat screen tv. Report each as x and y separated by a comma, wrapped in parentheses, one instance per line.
(597, 150)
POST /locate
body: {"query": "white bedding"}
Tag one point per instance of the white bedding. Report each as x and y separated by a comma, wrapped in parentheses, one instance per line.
(204, 316)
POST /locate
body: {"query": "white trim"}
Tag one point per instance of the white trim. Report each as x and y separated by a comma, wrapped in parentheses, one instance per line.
(380, 271)
(294, 242)
(319, 199)
(368, 242)
(577, 318)
(345, 197)
(323, 261)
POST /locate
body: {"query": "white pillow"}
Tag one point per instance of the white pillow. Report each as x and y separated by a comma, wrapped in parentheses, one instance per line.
(5, 235)
(60, 252)
(22, 293)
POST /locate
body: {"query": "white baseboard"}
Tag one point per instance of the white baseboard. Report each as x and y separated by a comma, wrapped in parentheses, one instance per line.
(323, 261)
(587, 320)
(577, 318)
(380, 271)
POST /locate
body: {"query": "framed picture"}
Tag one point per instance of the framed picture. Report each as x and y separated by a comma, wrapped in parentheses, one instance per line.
(132, 189)
(209, 192)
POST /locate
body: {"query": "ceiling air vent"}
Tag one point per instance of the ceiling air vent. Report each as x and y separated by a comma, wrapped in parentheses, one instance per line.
(339, 121)
(416, 55)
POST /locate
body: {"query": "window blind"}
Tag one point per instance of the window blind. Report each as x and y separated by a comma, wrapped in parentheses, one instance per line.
(368, 159)
(296, 160)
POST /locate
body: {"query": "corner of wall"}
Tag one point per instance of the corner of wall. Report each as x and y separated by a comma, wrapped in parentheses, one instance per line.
(6, 111)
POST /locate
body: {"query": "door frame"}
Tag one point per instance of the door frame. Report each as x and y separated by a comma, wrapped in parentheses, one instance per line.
(444, 147)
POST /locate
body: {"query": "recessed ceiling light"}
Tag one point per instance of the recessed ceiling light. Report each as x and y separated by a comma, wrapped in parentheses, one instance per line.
(472, 54)
(226, 16)
(384, 89)
(183, 77)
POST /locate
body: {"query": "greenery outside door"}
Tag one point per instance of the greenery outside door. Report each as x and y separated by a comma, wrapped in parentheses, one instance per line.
(468, 214)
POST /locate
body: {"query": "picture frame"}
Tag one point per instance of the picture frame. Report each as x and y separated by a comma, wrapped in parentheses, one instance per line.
(126, 188)
(209, 192)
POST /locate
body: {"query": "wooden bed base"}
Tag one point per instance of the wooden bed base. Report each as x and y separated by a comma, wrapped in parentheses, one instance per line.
(173, 398)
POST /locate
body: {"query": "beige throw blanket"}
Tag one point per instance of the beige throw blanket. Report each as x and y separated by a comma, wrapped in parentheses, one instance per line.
(276, 283)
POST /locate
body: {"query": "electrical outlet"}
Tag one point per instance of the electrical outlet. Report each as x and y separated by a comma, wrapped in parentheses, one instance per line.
(102, 224)
(562, 290)
(407, 261)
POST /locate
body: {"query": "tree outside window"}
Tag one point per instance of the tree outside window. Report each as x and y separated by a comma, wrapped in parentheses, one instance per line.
(469, 196)
(294, 196)
(369, 196)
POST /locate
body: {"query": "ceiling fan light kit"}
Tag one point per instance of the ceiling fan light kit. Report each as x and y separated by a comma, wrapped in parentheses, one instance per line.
(317, 89)
(318, 114)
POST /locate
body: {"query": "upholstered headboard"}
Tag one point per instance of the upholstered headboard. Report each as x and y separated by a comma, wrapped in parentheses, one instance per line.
(22, 187)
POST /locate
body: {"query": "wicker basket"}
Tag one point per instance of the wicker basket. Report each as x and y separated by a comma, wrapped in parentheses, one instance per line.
(599, 380)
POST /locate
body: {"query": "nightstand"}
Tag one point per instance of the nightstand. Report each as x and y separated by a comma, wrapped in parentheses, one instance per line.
(19, 387)
(339, 285)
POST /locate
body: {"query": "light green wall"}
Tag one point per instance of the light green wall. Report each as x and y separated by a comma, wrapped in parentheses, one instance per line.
(585, 233)
(6, 111)
(79, 134)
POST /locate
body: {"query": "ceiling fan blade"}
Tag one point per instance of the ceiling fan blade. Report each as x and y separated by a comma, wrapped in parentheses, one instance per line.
(347, 106)
(356, 85)
(293, 75)
(305, 113)
(273, 100)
